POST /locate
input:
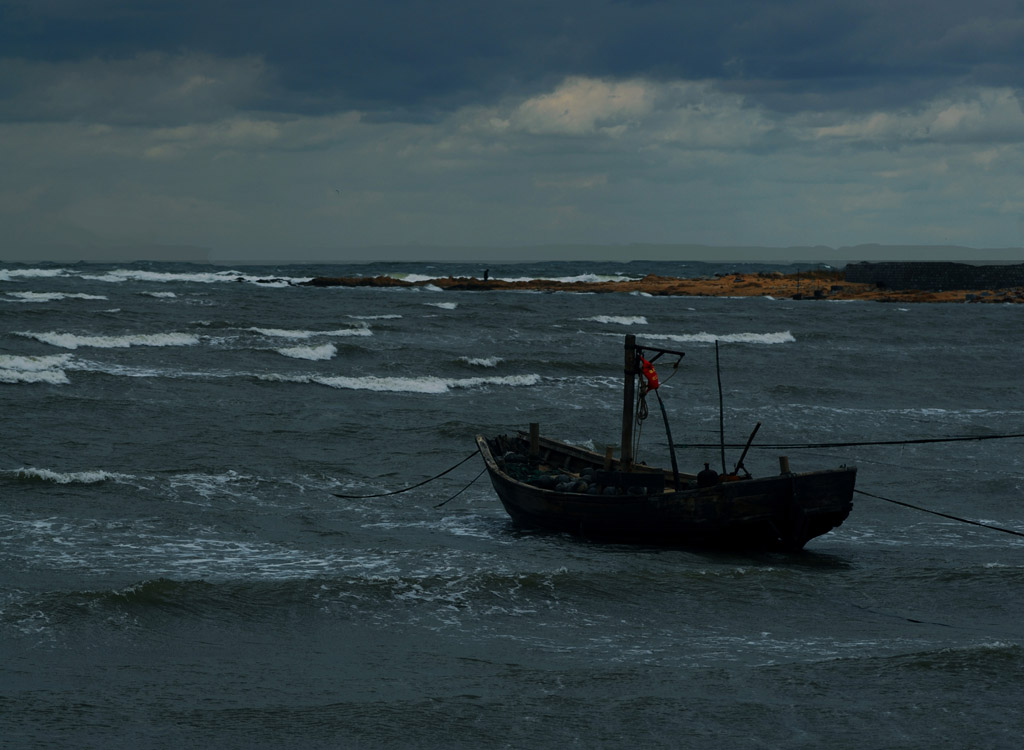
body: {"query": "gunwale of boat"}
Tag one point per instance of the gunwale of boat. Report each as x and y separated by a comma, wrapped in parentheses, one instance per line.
(782, 511)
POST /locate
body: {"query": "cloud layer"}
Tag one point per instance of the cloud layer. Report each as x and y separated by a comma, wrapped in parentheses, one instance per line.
(266, 131)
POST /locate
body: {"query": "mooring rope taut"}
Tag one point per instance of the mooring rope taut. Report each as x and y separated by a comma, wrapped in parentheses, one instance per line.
(916, 441)
(412, 487)
(471, 483)
(943, 515)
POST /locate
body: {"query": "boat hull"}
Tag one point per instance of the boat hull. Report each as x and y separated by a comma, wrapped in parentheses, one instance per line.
(784, 511)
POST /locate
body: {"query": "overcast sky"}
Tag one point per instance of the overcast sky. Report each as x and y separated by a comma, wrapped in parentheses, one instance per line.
(273, 130)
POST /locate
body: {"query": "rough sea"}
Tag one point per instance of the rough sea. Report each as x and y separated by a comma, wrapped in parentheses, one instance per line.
(176, 570)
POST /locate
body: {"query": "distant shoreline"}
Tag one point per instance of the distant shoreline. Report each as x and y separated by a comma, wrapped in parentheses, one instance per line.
(817, 285)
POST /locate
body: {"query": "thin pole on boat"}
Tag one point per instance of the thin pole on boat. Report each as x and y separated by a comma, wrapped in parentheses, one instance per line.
(721, 409)
(628, 395)
(739, 464)
(671, 445)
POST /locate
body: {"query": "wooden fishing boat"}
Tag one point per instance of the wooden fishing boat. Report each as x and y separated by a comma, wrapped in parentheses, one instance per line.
(548, 484)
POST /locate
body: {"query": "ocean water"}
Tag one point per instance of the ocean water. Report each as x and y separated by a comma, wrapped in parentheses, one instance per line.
(176, 568)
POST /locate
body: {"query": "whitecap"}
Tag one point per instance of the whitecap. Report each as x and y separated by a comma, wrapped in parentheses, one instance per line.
(428, 384)
(33, 364)
(624, 320)
(288, 334)
(73, 341)
(9, 274)
(53, 377)
(325, 351)
(160, 295)
(481, 361)
(48, 369)
(412, 278)
(51, 296)
(57, 477)
(126, 274)
(374, 383)
(776, 337)
(443, 305)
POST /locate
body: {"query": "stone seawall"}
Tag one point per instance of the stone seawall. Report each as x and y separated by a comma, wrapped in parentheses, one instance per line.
(938, 276)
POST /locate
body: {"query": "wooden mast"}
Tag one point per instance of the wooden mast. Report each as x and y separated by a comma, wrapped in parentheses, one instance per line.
(628, 397)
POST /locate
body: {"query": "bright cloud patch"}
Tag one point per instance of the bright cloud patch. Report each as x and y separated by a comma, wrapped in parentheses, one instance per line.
(582, 106)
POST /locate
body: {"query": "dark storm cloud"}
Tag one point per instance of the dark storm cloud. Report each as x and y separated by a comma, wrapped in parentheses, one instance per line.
(410, 58)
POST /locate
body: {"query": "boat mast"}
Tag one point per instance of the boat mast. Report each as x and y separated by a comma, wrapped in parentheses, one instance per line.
(628, 396)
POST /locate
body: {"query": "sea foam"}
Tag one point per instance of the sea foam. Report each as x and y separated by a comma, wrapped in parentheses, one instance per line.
(428, 385)
(622, 320)
(481, 361)
(10, 274)
(51, 296)
(74, 341)
(287, 334)
(776, 337)
(127, 274)
(57, 477)
(324, 351)
(19, 369)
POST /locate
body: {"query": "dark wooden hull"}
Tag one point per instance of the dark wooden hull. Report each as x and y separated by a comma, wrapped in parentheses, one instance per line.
(784, 511)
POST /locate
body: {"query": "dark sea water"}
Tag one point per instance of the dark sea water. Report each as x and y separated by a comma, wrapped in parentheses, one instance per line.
(175, 570)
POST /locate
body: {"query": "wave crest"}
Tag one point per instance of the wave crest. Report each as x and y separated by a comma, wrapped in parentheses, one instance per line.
(29, 474)
(52, 296)
(624, 320)
(47, 369)
(285, 333)
(74, 340)
(316, 353)
(776, 337)
(428, 385)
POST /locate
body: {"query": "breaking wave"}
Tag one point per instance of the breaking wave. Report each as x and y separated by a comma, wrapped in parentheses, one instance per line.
(623, 320)
(322, 352)
(287, 334)
(10, 274)
(48, 369)
(74, 341)
(56, 477)
(481, 361)
(429, 385)
(126, 274)
(51, 296)
(777, 337)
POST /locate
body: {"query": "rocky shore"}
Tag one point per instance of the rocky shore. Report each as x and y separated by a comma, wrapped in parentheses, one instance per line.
(808, 286)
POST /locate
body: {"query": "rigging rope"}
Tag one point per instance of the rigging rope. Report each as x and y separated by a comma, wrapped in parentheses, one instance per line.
(471, 483)
(420, 484)
(944, 515)
(779, 446)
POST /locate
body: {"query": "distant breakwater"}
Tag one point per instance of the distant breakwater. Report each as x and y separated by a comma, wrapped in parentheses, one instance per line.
(935, 275)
